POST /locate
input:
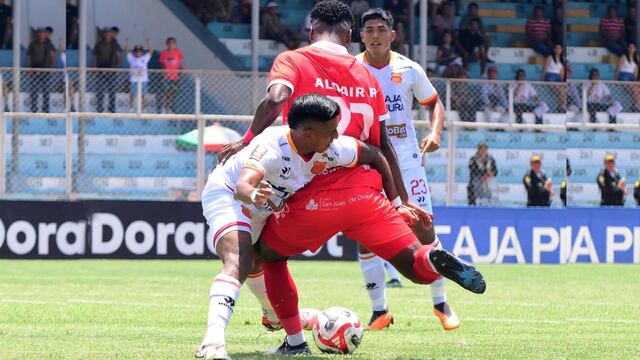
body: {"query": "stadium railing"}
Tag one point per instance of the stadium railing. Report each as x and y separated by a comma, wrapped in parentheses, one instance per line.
(97, 141)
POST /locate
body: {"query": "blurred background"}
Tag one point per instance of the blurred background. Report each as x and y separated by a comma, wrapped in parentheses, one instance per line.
(115, 99)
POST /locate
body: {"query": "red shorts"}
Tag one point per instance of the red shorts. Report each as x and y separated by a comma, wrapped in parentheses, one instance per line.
(361, 212)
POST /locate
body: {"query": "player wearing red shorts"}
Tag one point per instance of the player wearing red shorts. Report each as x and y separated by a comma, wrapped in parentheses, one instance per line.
(351, 198)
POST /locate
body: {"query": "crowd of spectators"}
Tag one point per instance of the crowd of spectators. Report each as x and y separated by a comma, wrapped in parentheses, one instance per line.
(6, 25)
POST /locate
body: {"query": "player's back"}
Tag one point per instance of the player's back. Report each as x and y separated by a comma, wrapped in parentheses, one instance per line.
(328, 69)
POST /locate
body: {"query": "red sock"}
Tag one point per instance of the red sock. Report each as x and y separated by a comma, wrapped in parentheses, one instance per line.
(283, 295)
(422, 267)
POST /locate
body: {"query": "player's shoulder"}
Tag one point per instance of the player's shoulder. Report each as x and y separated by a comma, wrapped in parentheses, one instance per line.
(399, 61)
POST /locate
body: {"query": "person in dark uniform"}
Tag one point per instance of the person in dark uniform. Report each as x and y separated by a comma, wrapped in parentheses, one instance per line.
(636, 192)
(482, 168)
(539, 186)
(613, 187)
(563, 185)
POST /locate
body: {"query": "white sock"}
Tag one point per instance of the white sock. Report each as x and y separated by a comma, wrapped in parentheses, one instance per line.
(438, 291)
(373, 271)
(391, 270)
(259, 290)
(296, 339)
(222, 299)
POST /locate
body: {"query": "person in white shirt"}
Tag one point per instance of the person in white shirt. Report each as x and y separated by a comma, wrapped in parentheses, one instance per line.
(627, 70)
(256, 182)
(525, 99)
(401, 81)
(138, 61)
(599, 98)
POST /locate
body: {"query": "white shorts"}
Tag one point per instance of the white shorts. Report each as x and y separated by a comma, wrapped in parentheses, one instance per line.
(225, 214)
(415, 181)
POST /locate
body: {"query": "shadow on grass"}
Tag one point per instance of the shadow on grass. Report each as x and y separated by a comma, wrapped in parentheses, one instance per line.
(262, 356)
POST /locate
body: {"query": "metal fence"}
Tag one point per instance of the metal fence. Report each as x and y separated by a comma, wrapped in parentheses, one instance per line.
(103, 133)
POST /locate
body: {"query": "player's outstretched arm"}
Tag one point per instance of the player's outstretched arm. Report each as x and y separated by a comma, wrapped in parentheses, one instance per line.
(266, 113)
(251, 189)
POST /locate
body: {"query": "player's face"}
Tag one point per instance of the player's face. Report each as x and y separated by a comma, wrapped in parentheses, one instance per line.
(377, 36)
(321, 135)
(610, 165)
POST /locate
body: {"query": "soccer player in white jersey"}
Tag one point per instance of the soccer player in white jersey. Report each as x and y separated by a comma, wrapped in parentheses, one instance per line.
(255, 183)
(401, 81)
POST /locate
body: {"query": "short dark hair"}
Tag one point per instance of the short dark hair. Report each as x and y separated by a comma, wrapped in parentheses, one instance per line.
(592, 72)
(377, 14)
(332, 12)
(538, 7)
(475, 19)
(170, 38)
(312, 107)
(519, 71)
(612, 7)
(472, 5)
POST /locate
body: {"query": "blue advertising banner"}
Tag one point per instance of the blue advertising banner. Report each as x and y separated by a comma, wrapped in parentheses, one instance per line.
(540, 236)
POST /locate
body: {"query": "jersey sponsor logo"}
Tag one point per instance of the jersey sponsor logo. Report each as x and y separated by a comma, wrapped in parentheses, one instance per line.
(394, 103)
(399, 131)
(286, 158)
(311, 205)
(396, 78)
(318, 167)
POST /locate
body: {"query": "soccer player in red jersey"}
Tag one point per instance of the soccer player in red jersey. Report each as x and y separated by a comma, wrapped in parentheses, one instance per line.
(347, 200)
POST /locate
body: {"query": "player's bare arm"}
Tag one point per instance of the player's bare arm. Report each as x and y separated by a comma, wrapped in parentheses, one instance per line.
(431, 142)
(266, 113)
(251, 189)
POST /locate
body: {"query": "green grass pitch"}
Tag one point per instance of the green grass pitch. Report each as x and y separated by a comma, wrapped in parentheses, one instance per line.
(157, 309)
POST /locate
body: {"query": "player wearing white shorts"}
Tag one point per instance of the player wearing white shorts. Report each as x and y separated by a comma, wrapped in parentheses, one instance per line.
(401, 81)
(255, 183)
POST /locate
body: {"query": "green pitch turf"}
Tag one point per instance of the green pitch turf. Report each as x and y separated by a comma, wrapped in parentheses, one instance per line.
(158, 310)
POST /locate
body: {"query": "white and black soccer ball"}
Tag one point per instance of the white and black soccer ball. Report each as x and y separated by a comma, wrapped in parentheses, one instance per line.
(337, 331)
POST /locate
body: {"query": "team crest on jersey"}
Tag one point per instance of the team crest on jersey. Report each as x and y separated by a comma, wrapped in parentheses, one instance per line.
(318, 167)
(246, 212)
(396, 78)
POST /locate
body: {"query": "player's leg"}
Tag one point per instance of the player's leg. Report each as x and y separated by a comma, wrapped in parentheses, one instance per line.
(283, 294)
(255, 282)
(372, 268)
(418, 188)
(233, 242)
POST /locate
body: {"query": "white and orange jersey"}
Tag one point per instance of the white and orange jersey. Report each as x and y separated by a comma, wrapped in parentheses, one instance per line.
(274, 155)
(402, 80)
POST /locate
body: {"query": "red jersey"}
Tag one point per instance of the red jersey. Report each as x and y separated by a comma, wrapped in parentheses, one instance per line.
(328, 69)
(171, 60)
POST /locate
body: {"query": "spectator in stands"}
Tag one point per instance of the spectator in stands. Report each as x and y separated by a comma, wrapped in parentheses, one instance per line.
(358, 7)
(271, 28)
(482, 169)
(472, 45)
(612, 31)
(613, 187)
(553, 71)
(627, 70)
(636, 192)
(138, 61)
(220, 10)
(525, 99)
(472, 13)
(399, 9)
(463, 98)
(107, 54)
(557, 29)
(6, 26)
(538, 31)
(242, 12)
(630, 25)
(494, 94)
(72, 26)
(443, 22)
(446, 55)
(430, 73)
(599, 98)
(41, 54)
(539, 187)
(171, 62)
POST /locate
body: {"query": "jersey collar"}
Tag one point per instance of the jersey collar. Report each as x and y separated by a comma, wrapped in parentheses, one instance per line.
(331, 47)
(391, 58)
(295, 148)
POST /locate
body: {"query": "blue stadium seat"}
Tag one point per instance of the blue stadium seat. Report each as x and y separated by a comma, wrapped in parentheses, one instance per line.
(230, 30)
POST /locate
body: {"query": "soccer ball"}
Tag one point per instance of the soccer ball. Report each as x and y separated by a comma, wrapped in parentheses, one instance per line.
(337, 331)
